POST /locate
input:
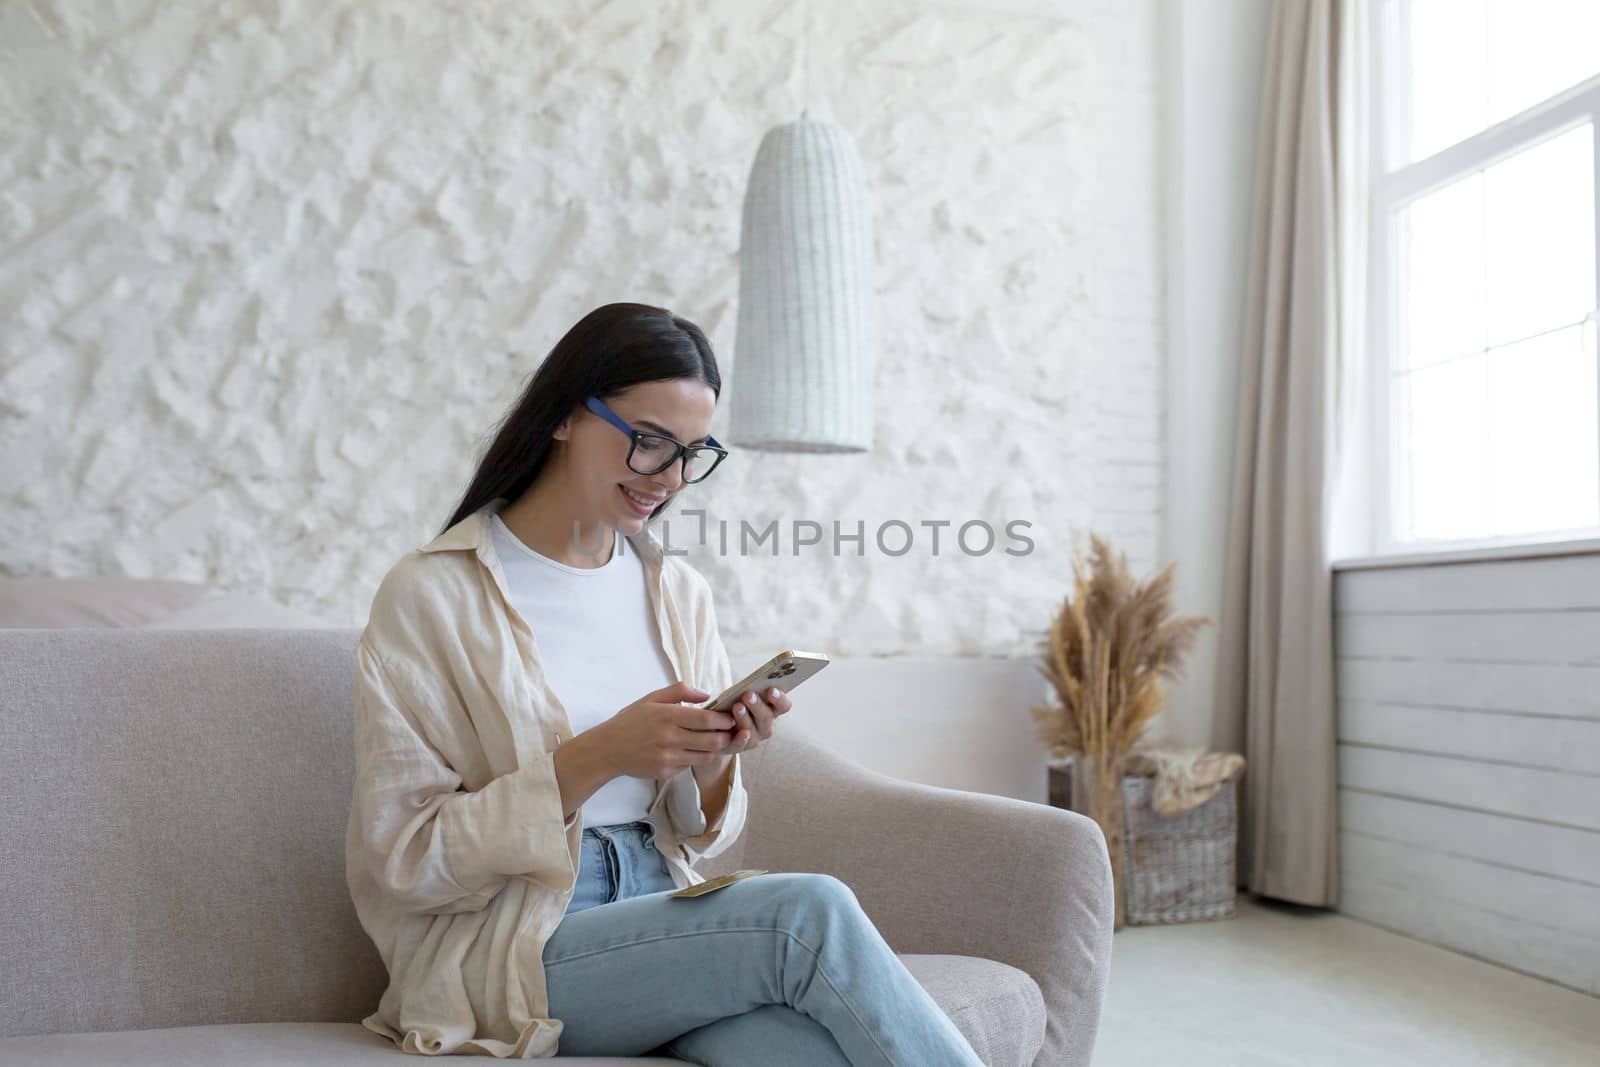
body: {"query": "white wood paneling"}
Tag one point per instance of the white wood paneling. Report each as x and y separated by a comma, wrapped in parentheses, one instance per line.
(1557, 903)
(1489, 736)
(1561, 851)
(1559, 583)
(1523, 792)
(1562, 637)
(1538, 688)
(1558, 955)
(1469, 757)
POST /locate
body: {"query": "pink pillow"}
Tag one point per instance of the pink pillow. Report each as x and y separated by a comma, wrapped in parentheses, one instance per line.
(69, 603)
(230, 610)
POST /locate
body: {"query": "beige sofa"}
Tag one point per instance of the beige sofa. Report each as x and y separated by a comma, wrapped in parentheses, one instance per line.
(173, 808)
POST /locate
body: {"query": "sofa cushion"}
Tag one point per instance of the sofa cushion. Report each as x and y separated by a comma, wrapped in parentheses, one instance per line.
(237, 1045)
(997, 1007)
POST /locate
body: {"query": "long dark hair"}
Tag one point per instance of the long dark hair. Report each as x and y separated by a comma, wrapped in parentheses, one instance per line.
(611, 348)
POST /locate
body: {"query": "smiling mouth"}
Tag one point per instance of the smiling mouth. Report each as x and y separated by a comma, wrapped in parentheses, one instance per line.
(640, 504)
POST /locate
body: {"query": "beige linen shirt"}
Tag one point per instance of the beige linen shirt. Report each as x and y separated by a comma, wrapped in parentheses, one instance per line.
(458, 857)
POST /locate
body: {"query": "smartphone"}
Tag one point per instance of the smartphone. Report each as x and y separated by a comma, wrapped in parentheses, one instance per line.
(786, 670)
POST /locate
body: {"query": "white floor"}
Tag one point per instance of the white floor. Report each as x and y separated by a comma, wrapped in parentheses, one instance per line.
(1279, 985)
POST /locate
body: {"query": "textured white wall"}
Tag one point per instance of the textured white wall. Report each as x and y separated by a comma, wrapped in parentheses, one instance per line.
(271, 271)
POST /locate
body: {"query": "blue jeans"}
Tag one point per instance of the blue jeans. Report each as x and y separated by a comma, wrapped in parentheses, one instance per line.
(784, 969)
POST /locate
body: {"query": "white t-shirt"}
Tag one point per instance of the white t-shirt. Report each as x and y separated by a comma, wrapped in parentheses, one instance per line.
(597, 643)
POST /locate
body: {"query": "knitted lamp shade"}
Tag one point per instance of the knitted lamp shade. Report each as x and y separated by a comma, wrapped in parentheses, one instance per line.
(802, 373)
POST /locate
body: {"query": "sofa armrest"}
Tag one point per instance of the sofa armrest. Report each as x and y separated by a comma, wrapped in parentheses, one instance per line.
(943, 870)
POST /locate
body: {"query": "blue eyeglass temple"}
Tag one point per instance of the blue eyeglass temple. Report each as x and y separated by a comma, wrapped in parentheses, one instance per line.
(598, 406)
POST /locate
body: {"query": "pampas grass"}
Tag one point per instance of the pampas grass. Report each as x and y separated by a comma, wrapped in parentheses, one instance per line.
(1110, 648)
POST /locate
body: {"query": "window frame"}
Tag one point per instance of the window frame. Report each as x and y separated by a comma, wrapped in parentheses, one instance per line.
(1389, 190)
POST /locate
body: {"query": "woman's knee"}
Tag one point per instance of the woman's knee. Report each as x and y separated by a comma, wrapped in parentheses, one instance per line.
(807, 885)
(808, 898)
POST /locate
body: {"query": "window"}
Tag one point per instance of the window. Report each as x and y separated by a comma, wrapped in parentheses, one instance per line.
(1484, 271)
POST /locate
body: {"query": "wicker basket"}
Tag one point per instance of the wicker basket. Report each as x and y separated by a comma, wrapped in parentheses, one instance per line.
(1179, 869)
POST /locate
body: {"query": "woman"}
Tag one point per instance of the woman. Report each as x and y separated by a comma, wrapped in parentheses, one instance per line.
(510, 852)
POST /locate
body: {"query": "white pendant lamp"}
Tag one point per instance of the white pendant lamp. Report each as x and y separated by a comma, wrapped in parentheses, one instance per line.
(803, 358)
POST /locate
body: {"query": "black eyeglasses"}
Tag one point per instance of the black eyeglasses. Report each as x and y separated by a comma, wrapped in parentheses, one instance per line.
(652, 453)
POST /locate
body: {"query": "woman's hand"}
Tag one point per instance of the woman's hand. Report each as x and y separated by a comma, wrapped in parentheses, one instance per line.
(757, 716)
(659, 734)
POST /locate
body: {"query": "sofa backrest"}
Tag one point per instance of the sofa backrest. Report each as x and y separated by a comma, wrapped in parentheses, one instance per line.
(172, 810)
(173, 806)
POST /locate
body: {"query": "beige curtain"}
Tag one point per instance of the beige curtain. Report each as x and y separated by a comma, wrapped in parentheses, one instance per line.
(1302, 321)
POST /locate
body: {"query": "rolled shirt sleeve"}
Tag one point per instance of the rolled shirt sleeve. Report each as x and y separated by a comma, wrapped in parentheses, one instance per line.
(682, 797)
(683, 801)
